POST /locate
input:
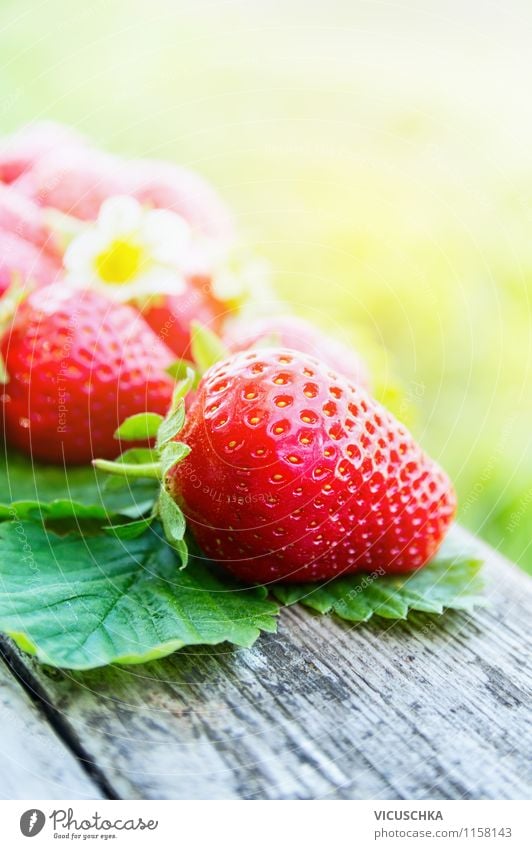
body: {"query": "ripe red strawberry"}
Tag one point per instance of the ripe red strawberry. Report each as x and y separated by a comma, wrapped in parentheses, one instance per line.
(78, 365)
(292, 332)
(170, 316)
(297, 474)
(22, 261)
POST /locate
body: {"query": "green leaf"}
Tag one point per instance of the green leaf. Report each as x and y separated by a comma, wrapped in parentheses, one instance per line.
(129, 530)
(60, 508)
(172, 453)
(182, 370)
(61, 492)
(207, 348)
(81, 603)
(139, 456)
(183, 387)
(139, 427)
(174, 524)
(450, 581)
(171, 425)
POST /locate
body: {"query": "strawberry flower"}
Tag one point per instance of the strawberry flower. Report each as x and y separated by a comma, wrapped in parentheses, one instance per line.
(131, 252)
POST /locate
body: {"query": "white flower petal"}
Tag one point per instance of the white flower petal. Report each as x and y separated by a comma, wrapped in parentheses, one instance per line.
(157, 281)
(120, 215)
(167, 236)
(81, 252)
(163, 237)
(162, 281)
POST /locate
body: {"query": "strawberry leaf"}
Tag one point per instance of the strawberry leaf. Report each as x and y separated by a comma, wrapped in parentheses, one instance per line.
(171, 425)
(180, 370)
(183, 387)
(139, 427)
(174, 524)
(80, 603)
(172, 453)
(450, 581)
(36, 490)
(129, 530)
(51, 511)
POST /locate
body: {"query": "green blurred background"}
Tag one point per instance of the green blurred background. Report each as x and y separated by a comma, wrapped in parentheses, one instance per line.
(379, 155)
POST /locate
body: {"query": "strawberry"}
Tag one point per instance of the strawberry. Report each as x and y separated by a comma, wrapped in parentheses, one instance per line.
(22, 261)
(77, 365)
(28, 250)
(77, 179)
(20, 216)
(297, 474)
(21, 151)
(293, 332)
(170, 316)
(74, 180)
(168, 186)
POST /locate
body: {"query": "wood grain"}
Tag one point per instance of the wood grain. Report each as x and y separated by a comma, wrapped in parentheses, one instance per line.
(432, 708)
(35, 762)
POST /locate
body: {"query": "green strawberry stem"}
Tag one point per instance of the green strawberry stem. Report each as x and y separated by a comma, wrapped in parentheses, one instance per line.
(130, 470)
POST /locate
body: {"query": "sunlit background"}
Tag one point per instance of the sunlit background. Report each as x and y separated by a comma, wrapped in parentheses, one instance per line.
(379, 155)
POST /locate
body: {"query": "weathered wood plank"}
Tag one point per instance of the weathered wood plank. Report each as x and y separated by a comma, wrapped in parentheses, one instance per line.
(431, 708)
(35, 763)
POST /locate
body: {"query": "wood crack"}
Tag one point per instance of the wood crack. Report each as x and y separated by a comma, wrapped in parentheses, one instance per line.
(54, 718)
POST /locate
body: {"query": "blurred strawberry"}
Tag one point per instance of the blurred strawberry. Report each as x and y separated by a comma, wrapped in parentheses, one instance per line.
(293, 332)
(75, 180)
(20, 216)
(23, 262)
(21, 151)
(170, 316)
(168, 186)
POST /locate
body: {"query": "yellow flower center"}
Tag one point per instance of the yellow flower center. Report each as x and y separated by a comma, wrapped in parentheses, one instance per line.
(120, 262)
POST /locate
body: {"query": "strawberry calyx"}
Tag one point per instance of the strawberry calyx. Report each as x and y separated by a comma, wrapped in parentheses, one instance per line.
(154, 462)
